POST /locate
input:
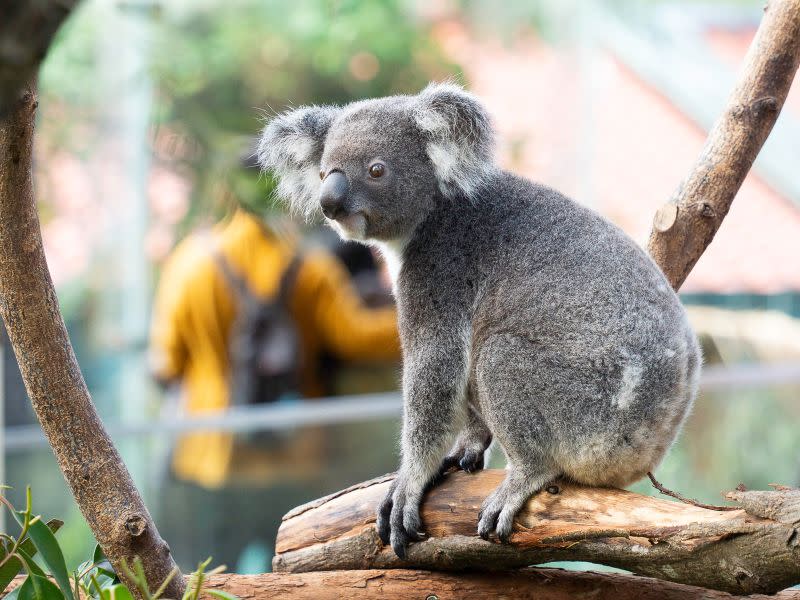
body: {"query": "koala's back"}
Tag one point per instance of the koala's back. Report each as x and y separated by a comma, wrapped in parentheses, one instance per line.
(576, 271)
(581, 352)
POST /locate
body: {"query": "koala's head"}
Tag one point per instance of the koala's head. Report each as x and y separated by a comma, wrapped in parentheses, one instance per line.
(375, 168)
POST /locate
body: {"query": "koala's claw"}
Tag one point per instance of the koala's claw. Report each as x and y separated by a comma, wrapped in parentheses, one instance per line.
(382, 523)
(398, 520)
(501, 507)
(399, 546)
(469, 460)
(497, 520)
(498, 512)
(487, 520)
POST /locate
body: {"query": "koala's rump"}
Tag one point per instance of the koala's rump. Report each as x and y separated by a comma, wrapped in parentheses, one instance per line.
(582, 355)
(601, 420)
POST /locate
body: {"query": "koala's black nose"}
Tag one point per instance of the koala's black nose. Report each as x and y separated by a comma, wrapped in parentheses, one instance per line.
(333, 195)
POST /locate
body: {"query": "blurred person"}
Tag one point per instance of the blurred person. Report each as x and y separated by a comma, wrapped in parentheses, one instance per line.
(225, 490)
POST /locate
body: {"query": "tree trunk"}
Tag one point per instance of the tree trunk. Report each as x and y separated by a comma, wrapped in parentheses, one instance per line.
(93, 468)
(756, 549)
(685, 226)
(26, 31)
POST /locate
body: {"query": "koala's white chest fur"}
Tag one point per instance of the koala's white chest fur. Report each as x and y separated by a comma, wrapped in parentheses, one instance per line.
(392, 252)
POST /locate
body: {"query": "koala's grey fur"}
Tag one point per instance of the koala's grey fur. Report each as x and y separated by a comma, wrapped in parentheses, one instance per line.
(523, 315)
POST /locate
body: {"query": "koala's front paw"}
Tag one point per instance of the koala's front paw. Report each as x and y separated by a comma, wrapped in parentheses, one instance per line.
(468, 459)
(399, 522)
(470, 448)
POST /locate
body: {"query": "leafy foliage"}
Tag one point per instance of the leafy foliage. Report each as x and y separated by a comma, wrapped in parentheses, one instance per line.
(96, 578)
(217, 70)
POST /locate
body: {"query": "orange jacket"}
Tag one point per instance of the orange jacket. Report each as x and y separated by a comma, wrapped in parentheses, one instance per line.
(195, 309)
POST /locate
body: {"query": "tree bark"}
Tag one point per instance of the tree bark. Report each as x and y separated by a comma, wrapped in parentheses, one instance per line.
(755, 549)
(525, 584)
(26, 31)
(99, 480)
(522, 584)
(685, 226)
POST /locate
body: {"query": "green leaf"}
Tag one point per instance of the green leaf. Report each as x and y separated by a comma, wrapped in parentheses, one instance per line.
(93, 587)
(22, 592)
(97, 575)
(102, 582)
(13, 594)
(10, 570)
(105, 578)
(221, 595)
(106, 569)
(37, 586)
(97, 555)
(30, 564)
(117, 592)
(84, 567)
(55, 524)
(44, 589)
(48, 547)
(35, 574)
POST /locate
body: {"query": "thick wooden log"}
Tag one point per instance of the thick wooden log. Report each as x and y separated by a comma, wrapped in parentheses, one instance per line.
(526, 584)
(523, 584)
(685, 226)
(752, 550)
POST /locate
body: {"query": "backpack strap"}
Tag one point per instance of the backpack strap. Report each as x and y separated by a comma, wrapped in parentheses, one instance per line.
(234, 280)
(242, 289)
(288, 279)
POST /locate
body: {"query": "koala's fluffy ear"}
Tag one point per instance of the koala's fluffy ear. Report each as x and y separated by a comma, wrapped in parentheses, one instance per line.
(460, 137)
(291, 146)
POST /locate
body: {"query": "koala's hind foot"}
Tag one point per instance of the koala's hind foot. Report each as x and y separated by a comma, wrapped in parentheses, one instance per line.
(469, 451)
(465, 458)
(502, 505)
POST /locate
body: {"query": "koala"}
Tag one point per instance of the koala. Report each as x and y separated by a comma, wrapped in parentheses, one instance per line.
(525, 318)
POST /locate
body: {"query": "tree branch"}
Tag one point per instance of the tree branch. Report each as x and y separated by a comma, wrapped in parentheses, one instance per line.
(685, 226)
(755, 549)
(26, 31)
(99, 480)
(525, 584)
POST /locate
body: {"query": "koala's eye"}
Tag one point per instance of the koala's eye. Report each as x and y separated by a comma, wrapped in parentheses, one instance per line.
(322, 174)
(377, 170)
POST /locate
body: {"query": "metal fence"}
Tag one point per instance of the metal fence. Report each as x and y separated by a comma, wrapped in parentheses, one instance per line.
(361, 408)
